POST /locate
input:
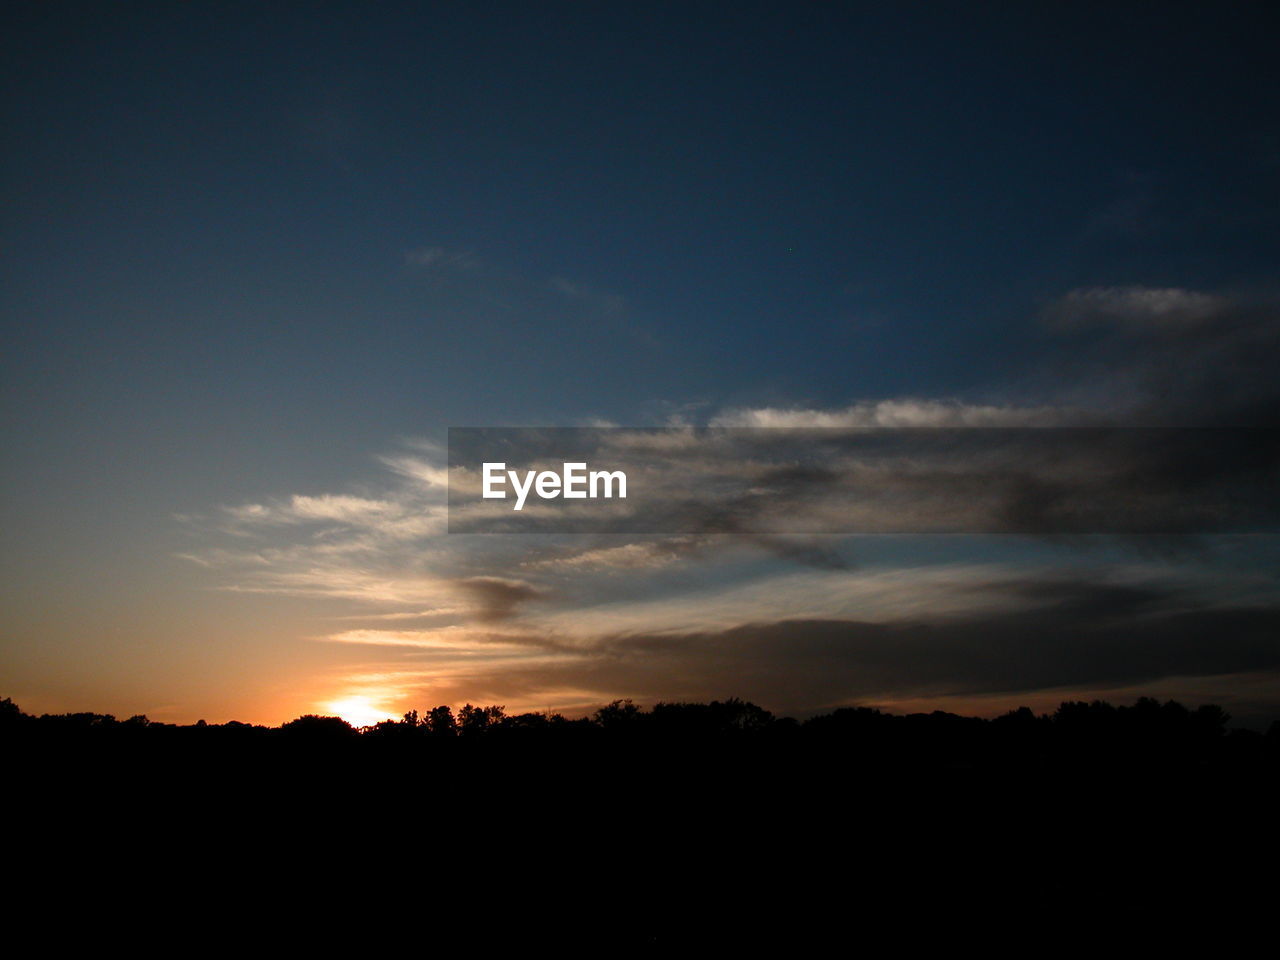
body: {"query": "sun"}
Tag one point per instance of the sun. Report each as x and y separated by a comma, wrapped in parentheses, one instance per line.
(357, 711)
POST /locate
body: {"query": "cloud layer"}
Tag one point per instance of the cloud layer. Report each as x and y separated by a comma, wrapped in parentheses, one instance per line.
(743, 605)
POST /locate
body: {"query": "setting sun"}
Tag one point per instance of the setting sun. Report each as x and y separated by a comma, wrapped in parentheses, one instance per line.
(357, 711)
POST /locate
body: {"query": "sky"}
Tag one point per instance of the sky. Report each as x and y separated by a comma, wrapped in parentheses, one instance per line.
(259, 258)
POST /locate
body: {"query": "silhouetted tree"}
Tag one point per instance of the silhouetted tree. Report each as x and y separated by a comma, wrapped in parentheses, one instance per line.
(478, 720)
(440, 722)
(618, 714)
(1078, 735)
(313, 727)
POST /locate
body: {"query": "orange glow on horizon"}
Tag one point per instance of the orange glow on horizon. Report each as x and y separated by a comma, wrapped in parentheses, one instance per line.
(359, 711)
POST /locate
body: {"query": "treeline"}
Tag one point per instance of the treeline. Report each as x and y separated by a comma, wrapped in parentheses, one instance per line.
(1148, 732)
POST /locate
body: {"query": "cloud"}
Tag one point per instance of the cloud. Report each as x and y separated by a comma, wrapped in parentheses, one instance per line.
(405, 514)
(449, 639)
(442, 259)
(1144, 308)
(746, 604)
(1034, 635)
(309, 509)
(419, 470)
(1169, 356)
(600, 310)
(607, 304)
(769, 482)
(355, 510)
(498, 598)
(304, 576)
(1083, 633)
(640, 555)
(910, 412)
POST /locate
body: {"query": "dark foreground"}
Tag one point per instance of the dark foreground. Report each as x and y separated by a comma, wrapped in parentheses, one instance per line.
(1147, 736)
(690, 827)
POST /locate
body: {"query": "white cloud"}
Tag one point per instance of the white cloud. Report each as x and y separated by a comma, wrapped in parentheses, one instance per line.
(628, 556)
(419, 470)
(451, 638)
(354, 510)
(909, 412)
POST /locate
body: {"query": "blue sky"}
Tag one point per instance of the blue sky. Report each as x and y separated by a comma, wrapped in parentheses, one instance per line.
(249, 250)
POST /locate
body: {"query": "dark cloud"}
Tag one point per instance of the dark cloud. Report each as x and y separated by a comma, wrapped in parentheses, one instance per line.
(497, 598)
(763, 483)
(1168, 356)
(1058, 634)
(1222, 373)
(807, 552)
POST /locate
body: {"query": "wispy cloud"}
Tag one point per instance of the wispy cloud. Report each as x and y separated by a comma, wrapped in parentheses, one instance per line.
(602, 309)
(1135, 306)
(905, 412)
(608, 304)
(443, 259)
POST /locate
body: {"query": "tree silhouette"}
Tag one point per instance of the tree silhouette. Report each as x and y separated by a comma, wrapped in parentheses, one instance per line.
(1146, 735)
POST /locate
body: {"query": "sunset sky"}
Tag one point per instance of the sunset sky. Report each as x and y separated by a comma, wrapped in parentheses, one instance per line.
(258, 258)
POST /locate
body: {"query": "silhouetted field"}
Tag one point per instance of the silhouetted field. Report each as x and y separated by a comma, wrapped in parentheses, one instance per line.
(1077, 736)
